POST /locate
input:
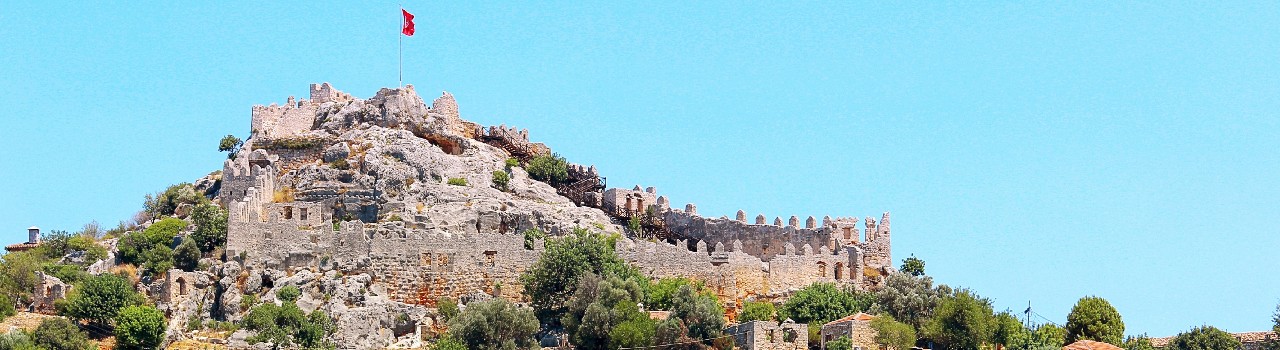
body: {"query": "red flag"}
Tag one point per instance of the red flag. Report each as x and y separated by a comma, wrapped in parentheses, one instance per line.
(408, 23)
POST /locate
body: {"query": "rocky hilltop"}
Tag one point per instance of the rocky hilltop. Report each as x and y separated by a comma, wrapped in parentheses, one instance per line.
(377, 208)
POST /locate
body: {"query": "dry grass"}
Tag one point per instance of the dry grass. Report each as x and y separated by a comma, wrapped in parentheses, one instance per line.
(283, 195)
(128, 271)
(420, 207)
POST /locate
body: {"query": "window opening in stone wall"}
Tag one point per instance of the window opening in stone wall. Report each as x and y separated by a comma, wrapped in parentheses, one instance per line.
(769, 336)
(288, 213)
(489, 257)
(822, 269)
(839, 271)
(182, 286)
(789, 335)
(302, 214)
(444, 260)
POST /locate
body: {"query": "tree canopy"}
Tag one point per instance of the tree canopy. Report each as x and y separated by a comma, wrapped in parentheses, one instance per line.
(553, 279)
(495, 324)
(1204, 338)
(1093, 318)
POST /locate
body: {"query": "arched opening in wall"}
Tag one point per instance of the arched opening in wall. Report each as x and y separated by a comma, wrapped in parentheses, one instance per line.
(847, 234)
(48, 292)
(182, 286)
(839, 273)
(822, 269)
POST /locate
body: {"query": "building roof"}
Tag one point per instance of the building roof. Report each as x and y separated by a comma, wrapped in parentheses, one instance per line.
(33, 228)
(1244, 338)
(861, 316)
(21, 247)
(1090, 345)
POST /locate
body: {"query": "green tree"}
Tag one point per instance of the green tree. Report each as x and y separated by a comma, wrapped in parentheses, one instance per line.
(961, 322)
(6, 308)
(912, 266)
(892, 334)
(288, 294)
(1093, 318)
(1007, 329)
(187, 256)
(59, 333)
(1049, 335)
(598, 306)
(823, 302)
(495, 324)
(701, 315)
(99, 300)
(841, 343)
(632, 333)
(1274, 344)
(1141, 342)
(909, 299)
(139, 327)
(552, 168)
(230, 144)
(211, 226)
(757, 311)
(286, 325)
(18, 275)
(1204, 338)
(554, 277)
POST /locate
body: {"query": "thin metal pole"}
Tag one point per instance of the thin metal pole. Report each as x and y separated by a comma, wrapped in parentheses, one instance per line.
(401, 36)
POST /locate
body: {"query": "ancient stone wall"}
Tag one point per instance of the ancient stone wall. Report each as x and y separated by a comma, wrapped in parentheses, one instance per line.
(769, 335)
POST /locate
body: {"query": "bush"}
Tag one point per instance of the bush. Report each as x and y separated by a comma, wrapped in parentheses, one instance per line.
(288, 294)
(447, 308)
(597, 307)
(757, 311)
(340, 164)
(187, 256)
(211, 226)
(661, 295)
(286, 325)
(962, 321)
(6, 308)
(164, 203)
(447, 342)
(912, 266)
(150, 248)
(230, 144)
(300, 142)
(247, 301)
(457, 181)
(501, 180)
(139, 327)
(531, 236)
(99, 299)
(495, 324)
(17, 340)
(512, 163)
(18, 275)
(841, 343)
(551, 169)
(59, 333)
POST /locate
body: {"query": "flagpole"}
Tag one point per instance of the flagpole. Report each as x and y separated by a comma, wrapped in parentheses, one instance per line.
(401, 36)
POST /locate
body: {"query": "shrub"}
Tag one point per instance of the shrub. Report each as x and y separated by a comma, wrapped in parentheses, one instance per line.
(187, 256)
(18, 275)
(500, 180)
(495, 324)
(457, 181)
(757, 311)
(531, 236)
(512, 163)
(139, 327)
(150, 248)
(912, 266)
(823, 302)
(6, 308)
(17, 340)
(99, 299)
(551, 169)
(211, 226)
(59, 333)
(300, 142)
(447, 342)
(962, 321)
(286, 325)
(340, 164)
(448, 308)
(841, 343)
(247, 301)
(661, 295)
(288, 294)
(230, 144)
(164, 203)
(597, 307)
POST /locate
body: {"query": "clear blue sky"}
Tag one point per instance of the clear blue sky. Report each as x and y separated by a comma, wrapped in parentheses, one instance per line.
(1036, 151)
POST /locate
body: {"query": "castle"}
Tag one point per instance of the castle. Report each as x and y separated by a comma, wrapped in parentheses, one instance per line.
(416, 256)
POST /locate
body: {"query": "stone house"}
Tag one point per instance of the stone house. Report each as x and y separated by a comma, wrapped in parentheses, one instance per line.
(857, 327)
(49, 290)
(769, 335)
(33, 240)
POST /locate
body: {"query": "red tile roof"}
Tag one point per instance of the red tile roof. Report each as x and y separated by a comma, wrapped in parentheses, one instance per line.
(1090, 345)
(858, 316)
